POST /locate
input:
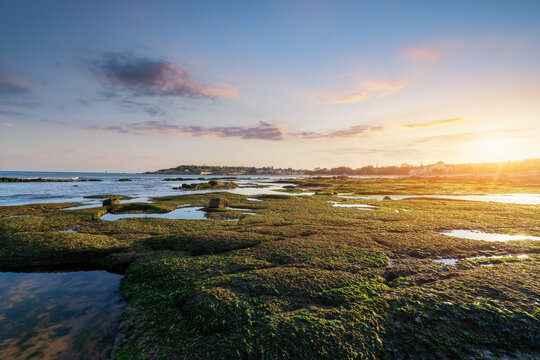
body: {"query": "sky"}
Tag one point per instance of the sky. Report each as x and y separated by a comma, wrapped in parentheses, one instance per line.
(139, 85)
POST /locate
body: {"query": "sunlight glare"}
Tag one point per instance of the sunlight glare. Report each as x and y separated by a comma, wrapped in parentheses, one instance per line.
(496, 149)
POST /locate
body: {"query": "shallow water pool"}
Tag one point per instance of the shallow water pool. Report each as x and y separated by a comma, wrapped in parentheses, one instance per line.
(184, 213)
(480, 235)
(59, 315)
(360, 206)
(453, 261)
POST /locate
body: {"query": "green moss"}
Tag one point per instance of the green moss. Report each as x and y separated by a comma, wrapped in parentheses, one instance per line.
(107, 196)
(111, 201)
(139, 208)
(27, 249)
(305, 279)
(212, 185)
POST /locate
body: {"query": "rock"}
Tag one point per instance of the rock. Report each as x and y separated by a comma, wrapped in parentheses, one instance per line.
(111, 201)
(390, 275)
(218, 203)
(387, 198)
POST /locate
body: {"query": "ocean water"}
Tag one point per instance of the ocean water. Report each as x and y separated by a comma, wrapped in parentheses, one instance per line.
(142, 186)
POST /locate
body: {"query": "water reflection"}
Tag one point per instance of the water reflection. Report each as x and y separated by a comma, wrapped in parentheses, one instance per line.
(453, 261)
(480, 235)
(523, 199)
(184, 213)
(59, 315)
(360, 206)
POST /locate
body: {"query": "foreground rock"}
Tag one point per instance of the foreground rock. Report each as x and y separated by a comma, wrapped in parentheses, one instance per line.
(111, 201)
(211, 185)
(218, 203)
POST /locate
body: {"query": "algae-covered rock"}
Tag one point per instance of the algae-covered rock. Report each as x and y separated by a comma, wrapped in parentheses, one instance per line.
(212, 184)
(218, 203)
(111, 201)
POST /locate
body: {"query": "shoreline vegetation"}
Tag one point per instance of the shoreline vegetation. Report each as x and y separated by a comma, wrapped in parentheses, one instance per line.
(529, 167)
(305, 277)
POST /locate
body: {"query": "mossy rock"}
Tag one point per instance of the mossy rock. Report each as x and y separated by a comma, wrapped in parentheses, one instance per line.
(111, 201)
(28, 249)
(212, 184)
(140, 208)
(218, 203)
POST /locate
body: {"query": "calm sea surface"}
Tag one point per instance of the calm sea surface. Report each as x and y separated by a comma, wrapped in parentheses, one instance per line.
(142, 186)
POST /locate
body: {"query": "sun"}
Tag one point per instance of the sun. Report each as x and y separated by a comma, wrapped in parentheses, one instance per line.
(496, 149)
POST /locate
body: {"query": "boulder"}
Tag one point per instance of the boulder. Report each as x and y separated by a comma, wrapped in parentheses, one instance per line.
(387, 198)
(218, 203)
(111, 201)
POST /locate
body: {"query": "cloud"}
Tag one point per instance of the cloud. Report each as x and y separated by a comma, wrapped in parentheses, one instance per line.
(521, 133)
(49, 121)
(140, 76)
(148, 108)
(11, 113)
(373, 89)
(13, 85)
(390, 87)
(432, 123)
(420, 53)
(349, 133)
(346, 99)
(262, 131)
(393, 151)
(7, 124)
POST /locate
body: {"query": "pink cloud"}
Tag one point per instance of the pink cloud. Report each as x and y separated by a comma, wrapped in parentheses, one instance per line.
(420, 53)
(11, 84)
(348, 98)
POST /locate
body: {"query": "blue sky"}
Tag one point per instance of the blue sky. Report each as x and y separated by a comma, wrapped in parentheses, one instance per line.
(132, 86)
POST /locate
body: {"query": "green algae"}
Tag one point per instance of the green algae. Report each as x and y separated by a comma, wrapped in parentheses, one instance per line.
(305, 279)
(210, 185)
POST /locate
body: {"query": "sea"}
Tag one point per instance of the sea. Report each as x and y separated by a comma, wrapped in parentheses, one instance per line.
(145, 186)
(141, 187)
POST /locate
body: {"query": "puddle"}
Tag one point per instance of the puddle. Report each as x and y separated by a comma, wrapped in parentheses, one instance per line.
(70, 230)
(11, 216)
(87, 206)
(523, 199)
(137, 199)
(184, 213)
(360, 206)
(359, 197)
(480, 235)
(59, 315)
(99, 204)
(253, 199)
(250, 213)
(238, 209)
(453, 261)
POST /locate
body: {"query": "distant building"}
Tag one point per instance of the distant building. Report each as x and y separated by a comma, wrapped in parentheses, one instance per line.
(433, 169)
